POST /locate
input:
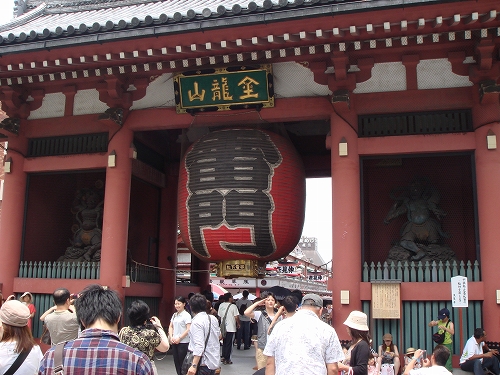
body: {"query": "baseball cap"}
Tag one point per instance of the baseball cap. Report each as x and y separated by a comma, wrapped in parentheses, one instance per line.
(443, 312)
(312, 300)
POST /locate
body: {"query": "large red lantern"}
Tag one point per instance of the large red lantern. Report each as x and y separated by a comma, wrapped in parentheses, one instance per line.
(241, 199)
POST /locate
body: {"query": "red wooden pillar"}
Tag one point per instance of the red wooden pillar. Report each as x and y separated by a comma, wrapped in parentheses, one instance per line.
(116, 213)
(346, 222)
(11, 228)
(488, 199)
(167, 257)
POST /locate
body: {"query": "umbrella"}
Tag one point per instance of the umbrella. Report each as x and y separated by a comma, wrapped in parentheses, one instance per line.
(251, 296)
(218, 289)
(279, 292)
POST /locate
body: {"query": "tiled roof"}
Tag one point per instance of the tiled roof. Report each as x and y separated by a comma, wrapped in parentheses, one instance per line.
(52, 20)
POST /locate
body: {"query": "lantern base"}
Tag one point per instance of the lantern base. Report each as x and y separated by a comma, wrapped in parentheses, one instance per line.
(240, 268)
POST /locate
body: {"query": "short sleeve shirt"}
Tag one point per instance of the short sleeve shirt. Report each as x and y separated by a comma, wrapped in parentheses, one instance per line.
(179, 323)
(8, 355)
(246, 302)
(471, 348)
(231, 315)
(303, 344)
(144, 339)
(62, 325)
(433, 370)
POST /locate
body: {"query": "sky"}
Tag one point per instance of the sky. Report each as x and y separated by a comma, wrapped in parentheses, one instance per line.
(6, 9)
(318, 221)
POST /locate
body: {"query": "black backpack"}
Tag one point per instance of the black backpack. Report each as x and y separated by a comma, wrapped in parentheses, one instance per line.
(242, 309)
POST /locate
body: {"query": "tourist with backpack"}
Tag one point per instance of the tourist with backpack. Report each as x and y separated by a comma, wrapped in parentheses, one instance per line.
(243, 333)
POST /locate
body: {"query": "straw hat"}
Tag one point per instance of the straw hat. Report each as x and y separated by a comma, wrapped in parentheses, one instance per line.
(387, 337)
(410, 351)
(357, 320)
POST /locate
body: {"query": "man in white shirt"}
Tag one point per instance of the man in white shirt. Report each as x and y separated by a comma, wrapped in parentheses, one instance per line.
(433, 366)
(230, 317)
(304, 344)
(204, 336)
(477, 356)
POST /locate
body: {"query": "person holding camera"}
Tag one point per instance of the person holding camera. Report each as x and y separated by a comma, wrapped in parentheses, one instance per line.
(61, 320)
(445, 325)
(98, 350)
(144, 333)
(430, 366)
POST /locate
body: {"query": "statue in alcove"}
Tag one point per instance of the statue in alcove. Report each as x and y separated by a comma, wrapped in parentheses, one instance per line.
(87, 237)
(421, 234)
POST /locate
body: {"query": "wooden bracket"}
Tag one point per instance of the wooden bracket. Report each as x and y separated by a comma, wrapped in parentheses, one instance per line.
(19, 102)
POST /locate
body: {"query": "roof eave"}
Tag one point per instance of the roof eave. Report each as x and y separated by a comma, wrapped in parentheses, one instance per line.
(205, 24)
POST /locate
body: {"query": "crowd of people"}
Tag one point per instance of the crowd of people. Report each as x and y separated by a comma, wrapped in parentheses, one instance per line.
(84, 333)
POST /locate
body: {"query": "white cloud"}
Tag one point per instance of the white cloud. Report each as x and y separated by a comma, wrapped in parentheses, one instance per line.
(7, 8)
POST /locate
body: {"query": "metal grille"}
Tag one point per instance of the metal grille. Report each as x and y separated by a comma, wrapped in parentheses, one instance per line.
(414, 319)
(68, 145)
(415, 123)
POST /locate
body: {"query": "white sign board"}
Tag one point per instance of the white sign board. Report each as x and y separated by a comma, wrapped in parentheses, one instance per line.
(459, 292)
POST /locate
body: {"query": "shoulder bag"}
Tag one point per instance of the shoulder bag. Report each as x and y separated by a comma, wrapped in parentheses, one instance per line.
(438, 338)
(58, 358)
(188, 359)
(17, 363)
(45, 338)
(223, 329)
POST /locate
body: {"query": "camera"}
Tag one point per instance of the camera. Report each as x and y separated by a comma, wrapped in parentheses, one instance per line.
(74, 296)
(424, 354)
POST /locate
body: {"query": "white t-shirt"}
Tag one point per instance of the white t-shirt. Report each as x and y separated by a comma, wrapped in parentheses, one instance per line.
(471, 348)
(433, 370)
(30, 365)
(180, 322)
(231, 315)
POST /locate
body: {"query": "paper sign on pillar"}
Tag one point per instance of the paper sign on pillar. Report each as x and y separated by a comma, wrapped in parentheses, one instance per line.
(459, 292)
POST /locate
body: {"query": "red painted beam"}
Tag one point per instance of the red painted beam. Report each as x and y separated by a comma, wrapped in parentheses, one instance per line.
(416, 144)
(427, 291)
(66, 163)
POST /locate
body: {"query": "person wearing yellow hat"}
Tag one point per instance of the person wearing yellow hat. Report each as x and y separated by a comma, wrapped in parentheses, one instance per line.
(17, 346)
(388, 353)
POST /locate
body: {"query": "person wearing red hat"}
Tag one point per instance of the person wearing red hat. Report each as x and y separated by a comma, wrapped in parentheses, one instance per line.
(16, 340)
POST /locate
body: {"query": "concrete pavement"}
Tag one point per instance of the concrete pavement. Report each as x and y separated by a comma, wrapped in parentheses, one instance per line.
(243, 362)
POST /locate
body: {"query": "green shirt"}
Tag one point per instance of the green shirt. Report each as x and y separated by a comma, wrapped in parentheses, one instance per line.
(447, 336)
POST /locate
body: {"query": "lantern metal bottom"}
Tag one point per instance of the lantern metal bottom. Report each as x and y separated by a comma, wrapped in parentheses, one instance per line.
(240, 268)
